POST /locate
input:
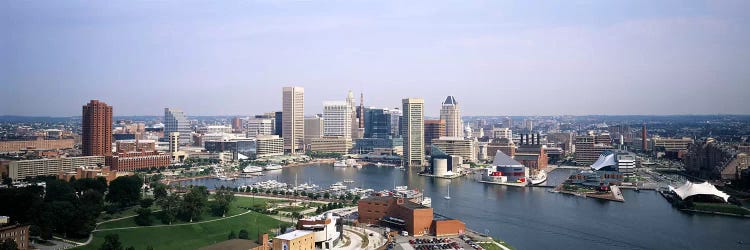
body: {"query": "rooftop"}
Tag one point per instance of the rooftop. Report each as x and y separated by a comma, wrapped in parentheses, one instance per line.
(293, 234)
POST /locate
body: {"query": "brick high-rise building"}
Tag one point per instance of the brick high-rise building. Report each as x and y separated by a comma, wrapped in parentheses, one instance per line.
(96, 121)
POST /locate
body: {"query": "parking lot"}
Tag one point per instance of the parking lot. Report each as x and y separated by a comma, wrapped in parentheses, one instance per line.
(428, 242)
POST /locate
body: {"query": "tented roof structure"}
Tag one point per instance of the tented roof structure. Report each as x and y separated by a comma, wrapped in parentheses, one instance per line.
(501, 159)
(606, 159)
(689, 189)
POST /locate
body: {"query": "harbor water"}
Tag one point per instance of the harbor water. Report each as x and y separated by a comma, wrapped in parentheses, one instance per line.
(534, 218)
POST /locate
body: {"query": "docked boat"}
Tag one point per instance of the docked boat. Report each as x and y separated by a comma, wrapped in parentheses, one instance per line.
(378, 164)
(338, 186)
(252, 169)
(348, 181)
(272, 167)
(538, 178)
(426, 201)
(340, 164)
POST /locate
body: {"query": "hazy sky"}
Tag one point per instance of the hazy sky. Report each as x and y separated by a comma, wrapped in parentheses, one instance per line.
(496, 57)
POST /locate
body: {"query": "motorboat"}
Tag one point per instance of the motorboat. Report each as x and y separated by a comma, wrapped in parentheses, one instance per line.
(340, 164)
(538, 178)
(252, 169)
(348, 181)
(272, 167)
(338, 186)
(426, 201)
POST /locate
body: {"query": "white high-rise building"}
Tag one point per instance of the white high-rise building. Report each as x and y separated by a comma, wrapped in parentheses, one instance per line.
(293, 119)
(451, 114)
(337, 120)
(258, 126)
(176, 121)
(413, 131)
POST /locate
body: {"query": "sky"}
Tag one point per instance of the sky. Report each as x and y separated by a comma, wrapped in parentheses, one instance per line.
(496, 57)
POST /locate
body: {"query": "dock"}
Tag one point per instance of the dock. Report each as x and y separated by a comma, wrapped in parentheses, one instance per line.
(512, 184)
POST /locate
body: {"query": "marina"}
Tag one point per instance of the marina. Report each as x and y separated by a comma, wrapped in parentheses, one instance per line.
(563, 221)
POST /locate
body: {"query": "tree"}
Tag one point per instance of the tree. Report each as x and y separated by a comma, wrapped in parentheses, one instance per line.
(222, 199)
(194, 202)
(231, 235)
(99, 184)
(7, 181)
(147, 202)
(243, 234)
(160, 191)
(327, 195)
(58, 190)
(170, 206)
(9, 244)
(125, 190)
(111, 242)
(144, 217)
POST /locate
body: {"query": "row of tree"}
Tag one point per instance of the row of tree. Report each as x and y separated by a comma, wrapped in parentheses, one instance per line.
(68, 208)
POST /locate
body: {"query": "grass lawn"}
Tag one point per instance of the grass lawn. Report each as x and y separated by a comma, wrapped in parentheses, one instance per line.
(238, 206)
(491, 246)
(192, 236)
(722, 208)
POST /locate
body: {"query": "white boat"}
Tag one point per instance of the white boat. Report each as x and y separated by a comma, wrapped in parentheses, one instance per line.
(338, 186)
(340, 164)
(348, 181)
(252, 169)
(357, 165)
(272, 167)
(378, 164)
(426, 202)
(539, 178)
(402, 168)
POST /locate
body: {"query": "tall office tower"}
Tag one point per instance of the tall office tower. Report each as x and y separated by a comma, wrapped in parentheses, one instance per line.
(644, 143)
(395, 122)
(413, 131)
(176, 121)
(354, 123)
(96, 122)
(377, 123)
(337, 119)
(293, 119)
(508, 123)
(529, 125)
(361, 110)
(451, 114)
(433, 129)
(174, 142)
(278, 127)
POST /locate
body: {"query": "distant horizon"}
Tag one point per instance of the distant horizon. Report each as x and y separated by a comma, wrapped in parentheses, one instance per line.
(533, 58)
(427, 116)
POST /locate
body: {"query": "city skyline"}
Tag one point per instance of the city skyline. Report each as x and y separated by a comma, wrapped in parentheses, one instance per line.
(660, 57)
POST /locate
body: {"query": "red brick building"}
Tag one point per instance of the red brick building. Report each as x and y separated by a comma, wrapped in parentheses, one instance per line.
(96, 122)
(133, 161)
(17, 233)
(411, 217)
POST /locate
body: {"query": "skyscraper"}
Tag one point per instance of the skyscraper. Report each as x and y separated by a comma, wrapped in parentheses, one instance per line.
(293, 119)
(176, 121)
(96, 122)
(433, 129)
(354, 122)
(451, 114)
(413, 126)
(377, 123)
(337, 119)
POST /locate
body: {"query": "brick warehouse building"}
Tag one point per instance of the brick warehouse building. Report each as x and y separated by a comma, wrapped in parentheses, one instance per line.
(138, 160)
(414, 218)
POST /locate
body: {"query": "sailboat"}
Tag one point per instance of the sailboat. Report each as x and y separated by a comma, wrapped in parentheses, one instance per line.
(448, 197)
